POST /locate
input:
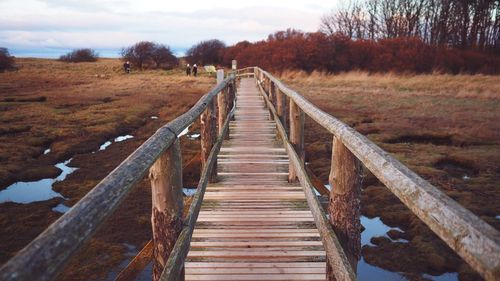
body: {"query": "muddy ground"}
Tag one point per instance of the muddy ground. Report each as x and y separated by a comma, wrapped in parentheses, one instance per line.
(446, 128)
(73, 109)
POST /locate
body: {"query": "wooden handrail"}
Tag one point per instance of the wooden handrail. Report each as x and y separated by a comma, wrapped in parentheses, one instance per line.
(174, 263)
(337, 259)
(470, 237)
(46, 255)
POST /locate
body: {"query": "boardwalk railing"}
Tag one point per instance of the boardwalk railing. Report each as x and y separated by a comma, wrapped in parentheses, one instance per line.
(470, 237)
(474, 240)
(47, 254)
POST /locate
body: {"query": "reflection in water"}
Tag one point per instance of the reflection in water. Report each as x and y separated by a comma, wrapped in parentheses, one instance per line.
(189, 191)
(185, 131)
(34, 191)
(375, 228)
(105, 145)
(61, 208)
(122, 138)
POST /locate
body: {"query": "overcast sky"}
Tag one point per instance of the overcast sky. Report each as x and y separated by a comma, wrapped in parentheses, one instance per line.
(47, 28)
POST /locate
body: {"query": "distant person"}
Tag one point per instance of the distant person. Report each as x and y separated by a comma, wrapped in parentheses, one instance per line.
(195, 70)
(126, 67)
(188, 70)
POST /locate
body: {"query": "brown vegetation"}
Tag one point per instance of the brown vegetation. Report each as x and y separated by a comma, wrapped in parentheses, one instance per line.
(295, 50)
(443, 127)
(80, 55)
(150, 55)
(86, 105)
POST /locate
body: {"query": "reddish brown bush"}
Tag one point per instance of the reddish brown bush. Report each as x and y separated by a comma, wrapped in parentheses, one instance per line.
(291, 49)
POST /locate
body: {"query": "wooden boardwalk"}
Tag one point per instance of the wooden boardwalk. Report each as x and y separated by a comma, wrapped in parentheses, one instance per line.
(253, 224)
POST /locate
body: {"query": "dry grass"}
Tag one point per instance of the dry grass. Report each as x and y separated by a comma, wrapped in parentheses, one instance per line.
(442, 126)
(84, 105)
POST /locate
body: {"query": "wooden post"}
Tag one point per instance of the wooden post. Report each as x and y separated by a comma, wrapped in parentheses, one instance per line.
(296, 136)
(345, 197)
(166, 219)
(281, 106)
(208, 137)
(221, 103)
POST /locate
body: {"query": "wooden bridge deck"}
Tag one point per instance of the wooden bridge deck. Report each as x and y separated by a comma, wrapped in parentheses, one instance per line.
(253, 224)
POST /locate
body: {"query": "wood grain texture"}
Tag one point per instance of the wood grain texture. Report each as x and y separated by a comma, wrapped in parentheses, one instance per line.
(470, 237)
(252, 216)
(47, 254)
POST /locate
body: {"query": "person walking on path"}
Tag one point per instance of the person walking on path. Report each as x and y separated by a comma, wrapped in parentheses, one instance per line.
(188, 70)
(195, 70)
(126, 67)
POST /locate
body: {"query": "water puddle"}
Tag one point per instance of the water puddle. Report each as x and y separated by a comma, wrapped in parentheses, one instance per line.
(184, 132)
(105, 145)
(189, 191)
(194, 136)
(374, 227)
(35, 191)
(61, 208)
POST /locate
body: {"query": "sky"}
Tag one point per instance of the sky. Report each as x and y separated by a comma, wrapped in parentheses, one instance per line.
(49, 28)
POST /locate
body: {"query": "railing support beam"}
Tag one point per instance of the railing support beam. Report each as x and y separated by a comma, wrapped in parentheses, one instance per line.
(344, 207)
(208, 137)
(222, 103)
(166, 220)
(296, 137)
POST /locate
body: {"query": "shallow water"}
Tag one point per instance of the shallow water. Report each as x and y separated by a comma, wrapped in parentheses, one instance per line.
(105, 145)
(374, 227)
(35, 191)
(188, 191)
(61, 208)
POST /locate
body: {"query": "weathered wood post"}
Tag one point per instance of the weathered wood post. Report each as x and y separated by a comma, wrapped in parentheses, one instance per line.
(221, 103)
(208, 137)
(281, 106)
(296, 136)
(166, 189)
(344, 207)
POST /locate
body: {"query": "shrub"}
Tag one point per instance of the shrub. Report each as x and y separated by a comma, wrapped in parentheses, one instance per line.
(146, 54)
(206, 52)
(295, 50)
(80, 55)
(6, 60)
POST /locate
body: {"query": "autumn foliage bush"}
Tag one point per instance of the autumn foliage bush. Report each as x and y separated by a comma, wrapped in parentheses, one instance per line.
(295, 50)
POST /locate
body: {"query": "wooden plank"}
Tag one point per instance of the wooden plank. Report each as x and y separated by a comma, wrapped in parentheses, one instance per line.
(474, 240)
(239, 271)
(257, 277)
(253, 265)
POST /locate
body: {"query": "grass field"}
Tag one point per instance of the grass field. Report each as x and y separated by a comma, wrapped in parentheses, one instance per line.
(444, 127)
(72, 109)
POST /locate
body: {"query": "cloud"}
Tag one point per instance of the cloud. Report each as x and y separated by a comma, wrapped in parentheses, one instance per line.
(117, 23)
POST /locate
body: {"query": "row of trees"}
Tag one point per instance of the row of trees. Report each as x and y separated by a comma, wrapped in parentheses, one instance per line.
(150, 55)
(464, 24)
(293, 49)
